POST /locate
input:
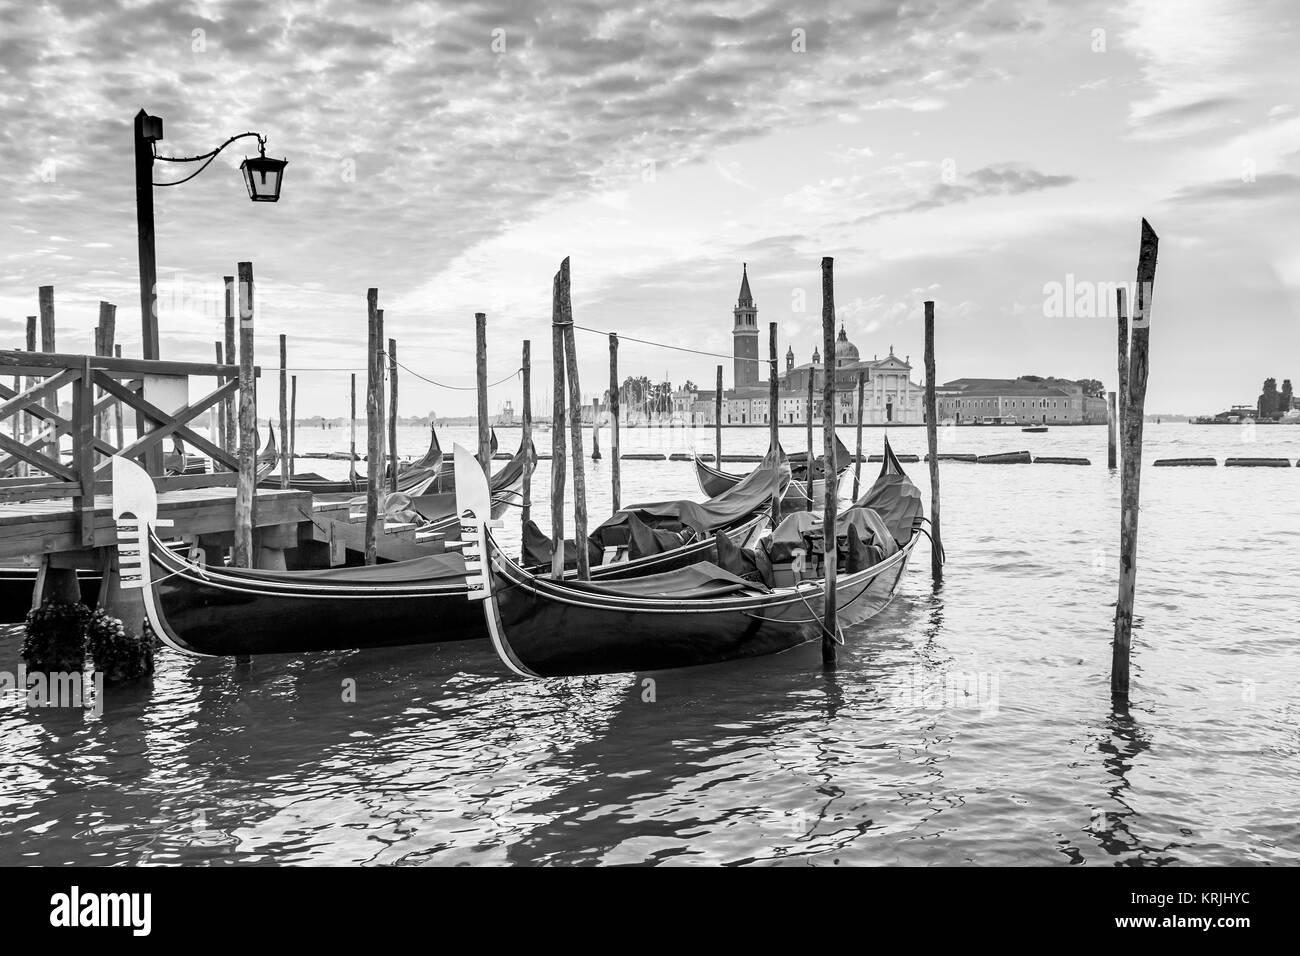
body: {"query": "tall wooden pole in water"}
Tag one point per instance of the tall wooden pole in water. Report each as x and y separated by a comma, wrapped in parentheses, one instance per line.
(352, 433)
(293, 421)
(374, 424)
(595, 428)
(614, 477)
(932, 443)
(284, 411)
(773, 418)
(1121, 392)
(717, 423)
(812, 456)
(1131, 469)
(392, 415)
(557, 434)
(527, 428)
(228, 406)
(857, 452)
(575, 425)
(830, 622)
(245, 489)
(480, 375)
(1112, 427)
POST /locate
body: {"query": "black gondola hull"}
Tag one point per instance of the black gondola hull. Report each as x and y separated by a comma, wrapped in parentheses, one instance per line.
(553, 634)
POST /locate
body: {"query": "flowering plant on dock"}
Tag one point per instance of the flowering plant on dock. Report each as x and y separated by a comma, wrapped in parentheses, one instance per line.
(56, 637)
(118, 655)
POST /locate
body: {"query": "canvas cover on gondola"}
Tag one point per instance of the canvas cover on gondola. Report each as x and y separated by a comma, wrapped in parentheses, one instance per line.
(749, 495)
(893, 497)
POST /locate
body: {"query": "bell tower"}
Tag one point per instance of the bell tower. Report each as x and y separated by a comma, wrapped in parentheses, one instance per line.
(744, 335)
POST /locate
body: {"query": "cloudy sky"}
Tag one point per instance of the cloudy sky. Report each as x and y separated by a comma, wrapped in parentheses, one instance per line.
(979, 154)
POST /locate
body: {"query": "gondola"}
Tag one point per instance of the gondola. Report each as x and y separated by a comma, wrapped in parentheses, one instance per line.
(218, 611)
(414, 478)
(697, 614)
(714, 481)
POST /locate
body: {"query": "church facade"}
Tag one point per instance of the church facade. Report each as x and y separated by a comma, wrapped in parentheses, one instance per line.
(889, 394)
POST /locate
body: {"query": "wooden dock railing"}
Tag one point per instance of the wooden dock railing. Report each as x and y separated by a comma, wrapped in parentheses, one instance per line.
(78, 468)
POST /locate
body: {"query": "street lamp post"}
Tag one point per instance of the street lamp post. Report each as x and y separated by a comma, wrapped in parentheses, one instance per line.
(262, 176)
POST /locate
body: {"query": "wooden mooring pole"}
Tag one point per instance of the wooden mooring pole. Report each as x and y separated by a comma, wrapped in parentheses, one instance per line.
(1121, 391)
(615, 479)
(595, 428)
(293, 421)
(857, 450)
(104, 346)
(480, 371)
(228, 406)
(352, 434)
(932, 445)
(773, 418)
(374, 424)
(1112, 428)
(45, 296)
(812, 457)
(527, 425)
(717, 424)
(392, 415)
(557, 435)
(830, 619)
(284, 411)
(246, 488)
(1131, 469)
(575, 424)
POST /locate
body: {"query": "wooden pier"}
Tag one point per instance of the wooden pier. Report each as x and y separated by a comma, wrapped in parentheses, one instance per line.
(56, 497)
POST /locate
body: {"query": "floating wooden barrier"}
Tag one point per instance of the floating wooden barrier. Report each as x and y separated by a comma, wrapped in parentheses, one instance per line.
(1006, 458)
(680, 456)
(1174, 462)
(1048, 460)
(644, 456)
(1257, 463)
(742, 458)
(955, 456)
(904, 459)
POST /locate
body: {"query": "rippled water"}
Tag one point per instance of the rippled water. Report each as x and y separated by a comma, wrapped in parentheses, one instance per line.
(966, 724)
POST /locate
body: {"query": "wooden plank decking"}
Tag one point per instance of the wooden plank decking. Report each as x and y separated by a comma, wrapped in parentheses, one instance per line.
(30, 528)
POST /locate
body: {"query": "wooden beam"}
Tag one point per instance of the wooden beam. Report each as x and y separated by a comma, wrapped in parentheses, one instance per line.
(18, 362)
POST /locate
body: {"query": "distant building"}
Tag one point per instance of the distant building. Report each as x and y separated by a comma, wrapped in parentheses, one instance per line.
(1000, 400)
(890, 395)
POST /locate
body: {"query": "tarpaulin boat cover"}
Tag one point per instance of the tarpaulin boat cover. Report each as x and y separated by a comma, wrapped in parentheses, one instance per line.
(536, 549)
(433, 567)
(696, 581)
(894, 498)
(748, 496)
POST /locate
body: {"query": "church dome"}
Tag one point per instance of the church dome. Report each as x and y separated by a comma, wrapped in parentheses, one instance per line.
(846, 353)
